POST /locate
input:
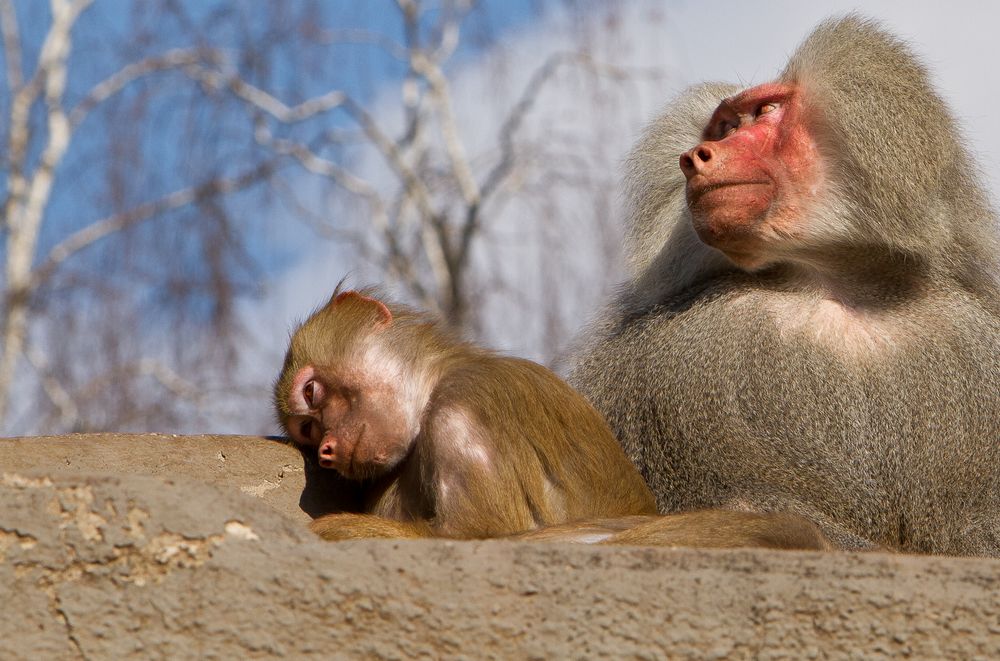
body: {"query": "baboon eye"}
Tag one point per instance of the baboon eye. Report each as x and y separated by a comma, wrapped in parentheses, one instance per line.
(727, 129)
(309, 393)
(305, 429)
(766, 108)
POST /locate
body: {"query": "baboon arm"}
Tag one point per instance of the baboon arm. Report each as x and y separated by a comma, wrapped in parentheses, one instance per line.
(726, 529)
(343, 526)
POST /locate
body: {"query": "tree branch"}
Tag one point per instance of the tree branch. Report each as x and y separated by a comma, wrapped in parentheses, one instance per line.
(25, 206)
(441, 95)
(69, 412)
(114, 83)
(169, 379)
(325, 168)
(347, 36)
(353, 184)
(264, 101)
(11, 45)
(119, 221)
(526, 101)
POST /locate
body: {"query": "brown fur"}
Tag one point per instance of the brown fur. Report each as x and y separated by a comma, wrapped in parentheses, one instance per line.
(706, 528)
(726, 530)
(855, 381)
(541, 455)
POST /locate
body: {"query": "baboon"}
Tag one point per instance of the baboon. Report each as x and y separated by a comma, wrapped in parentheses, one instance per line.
(811, 325)
(448, 439)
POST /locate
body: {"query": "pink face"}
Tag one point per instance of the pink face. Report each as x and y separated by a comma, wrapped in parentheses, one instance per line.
(357, 425)
(753, 175)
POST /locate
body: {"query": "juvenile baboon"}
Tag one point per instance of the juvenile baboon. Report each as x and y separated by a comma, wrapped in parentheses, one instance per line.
(812, 322)
(449, 440)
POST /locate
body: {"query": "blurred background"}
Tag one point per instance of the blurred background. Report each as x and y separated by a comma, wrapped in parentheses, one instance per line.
(182, 181)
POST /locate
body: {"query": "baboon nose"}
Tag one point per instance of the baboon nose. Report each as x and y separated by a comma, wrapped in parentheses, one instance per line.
(326, 454)
(694, 160)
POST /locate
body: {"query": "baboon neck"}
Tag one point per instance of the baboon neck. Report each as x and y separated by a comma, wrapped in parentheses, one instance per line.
(865, 276)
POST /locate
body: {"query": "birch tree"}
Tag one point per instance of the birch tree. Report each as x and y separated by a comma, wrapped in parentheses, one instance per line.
(40, 125)
(478, 212)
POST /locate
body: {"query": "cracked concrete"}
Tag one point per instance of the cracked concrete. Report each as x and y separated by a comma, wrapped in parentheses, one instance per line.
(171, 552)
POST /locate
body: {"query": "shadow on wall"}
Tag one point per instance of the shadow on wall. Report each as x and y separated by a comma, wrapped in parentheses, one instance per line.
(325, 490)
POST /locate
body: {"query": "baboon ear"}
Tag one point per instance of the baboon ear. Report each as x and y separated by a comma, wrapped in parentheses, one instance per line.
(382, 314)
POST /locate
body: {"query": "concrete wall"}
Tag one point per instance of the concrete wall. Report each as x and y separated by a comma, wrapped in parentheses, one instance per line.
(117, 547)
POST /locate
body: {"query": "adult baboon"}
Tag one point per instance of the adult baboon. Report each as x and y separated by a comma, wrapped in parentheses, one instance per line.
(812, 324)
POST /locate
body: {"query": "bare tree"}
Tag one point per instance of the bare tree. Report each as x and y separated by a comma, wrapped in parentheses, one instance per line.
(426, 219)
(41, 122)
(470, 211)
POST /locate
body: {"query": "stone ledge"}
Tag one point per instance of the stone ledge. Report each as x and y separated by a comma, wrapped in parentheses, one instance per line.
(139, 566)
(270, 469)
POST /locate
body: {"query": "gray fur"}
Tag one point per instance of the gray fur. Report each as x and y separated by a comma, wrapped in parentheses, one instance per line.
(722, 403)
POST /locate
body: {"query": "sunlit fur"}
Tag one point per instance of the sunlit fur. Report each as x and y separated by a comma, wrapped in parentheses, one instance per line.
(914, 196)
(660, 238)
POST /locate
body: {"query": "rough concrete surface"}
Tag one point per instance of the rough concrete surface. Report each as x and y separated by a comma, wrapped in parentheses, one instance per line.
(178, 561)
(270, 469)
